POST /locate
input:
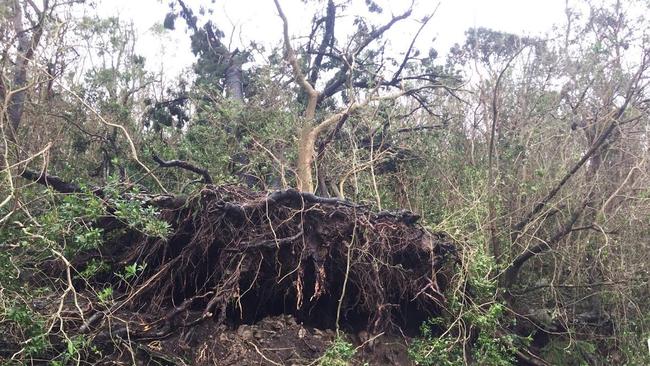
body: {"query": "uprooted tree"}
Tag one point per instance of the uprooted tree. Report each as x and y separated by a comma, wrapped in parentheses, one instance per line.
(490, 208)
(230, 255)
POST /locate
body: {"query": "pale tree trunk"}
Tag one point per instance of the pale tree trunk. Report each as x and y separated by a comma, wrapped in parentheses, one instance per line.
(234, 82)
(310, 130)
(24, 55)
(308, 134)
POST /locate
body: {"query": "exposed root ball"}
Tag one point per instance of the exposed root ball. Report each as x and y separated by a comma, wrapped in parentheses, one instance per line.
(237, 256)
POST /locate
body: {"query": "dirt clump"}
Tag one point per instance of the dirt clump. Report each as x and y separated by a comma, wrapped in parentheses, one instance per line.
(277, 340)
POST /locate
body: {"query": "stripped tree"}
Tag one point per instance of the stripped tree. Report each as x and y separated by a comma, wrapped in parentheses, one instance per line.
(360, 74)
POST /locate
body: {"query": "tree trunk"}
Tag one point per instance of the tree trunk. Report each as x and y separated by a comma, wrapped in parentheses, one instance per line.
(234, 83)
(25, 53)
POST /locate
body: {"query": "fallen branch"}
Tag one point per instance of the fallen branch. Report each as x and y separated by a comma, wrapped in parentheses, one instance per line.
(420, 128)
(512, 271)
(598, 143)
(184, 165)
(50, 181)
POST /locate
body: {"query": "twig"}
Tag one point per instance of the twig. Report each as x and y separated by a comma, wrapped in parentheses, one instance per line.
(346, 277)
(262, 355)
(369, 340)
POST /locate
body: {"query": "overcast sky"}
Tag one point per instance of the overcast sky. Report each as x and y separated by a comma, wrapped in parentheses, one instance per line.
(257, 20)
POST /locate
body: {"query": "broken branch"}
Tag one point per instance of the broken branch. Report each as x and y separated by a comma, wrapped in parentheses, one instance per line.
(184, 165)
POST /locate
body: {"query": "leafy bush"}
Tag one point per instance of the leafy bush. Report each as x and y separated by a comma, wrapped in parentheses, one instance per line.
(26, 325)
(338, 354)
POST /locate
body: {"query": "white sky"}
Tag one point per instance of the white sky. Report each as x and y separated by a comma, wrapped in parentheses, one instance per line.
(258, 20)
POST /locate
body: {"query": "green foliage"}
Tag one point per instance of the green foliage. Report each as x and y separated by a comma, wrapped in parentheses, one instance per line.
(490, 46)
(66, 226)
(570, 353)
(340, 353)
(554, 97)
(89, 239)
(431, 350)
(76, 349)
(481, 277)
(494, 351)
(132, 270)
(135, 213)
(170, 112)
(632, 346)
(489, 348)
(140, 217)
(207, 147)
(70, 223)
(93, 268)
(8, 272)
(105, 296)
(29, 325)
(483, 316)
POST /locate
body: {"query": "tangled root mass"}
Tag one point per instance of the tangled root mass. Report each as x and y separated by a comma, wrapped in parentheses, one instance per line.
(237, 256)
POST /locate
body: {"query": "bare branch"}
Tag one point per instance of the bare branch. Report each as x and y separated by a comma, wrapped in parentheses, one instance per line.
(290, 56)
(494, 240)
(328, 40)
(184, 165)
(26, 47)
(334, 84)
(410, 49)
(511, 273)
(631, 92)
(420, 128)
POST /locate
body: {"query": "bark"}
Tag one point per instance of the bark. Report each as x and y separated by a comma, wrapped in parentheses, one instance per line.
(307, 135)
(25, 54)
(234, 82)
(328, 41)
(186, 166)
(233, 73)
(51, 181)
